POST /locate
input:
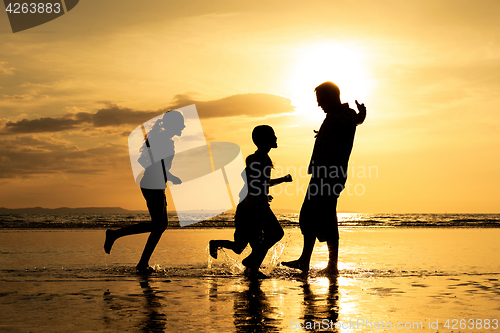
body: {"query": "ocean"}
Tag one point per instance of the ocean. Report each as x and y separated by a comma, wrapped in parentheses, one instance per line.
(98, 221)
(398, 273)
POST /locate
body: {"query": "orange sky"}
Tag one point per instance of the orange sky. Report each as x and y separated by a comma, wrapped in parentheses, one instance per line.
(72, 90)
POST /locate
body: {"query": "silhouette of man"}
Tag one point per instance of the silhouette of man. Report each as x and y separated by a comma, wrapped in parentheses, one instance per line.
(328, 170)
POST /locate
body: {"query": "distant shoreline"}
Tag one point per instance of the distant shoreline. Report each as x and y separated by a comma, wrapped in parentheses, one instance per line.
(120, 210)
(106, 210)
(286, 226)
(114, 217)
(68, 210)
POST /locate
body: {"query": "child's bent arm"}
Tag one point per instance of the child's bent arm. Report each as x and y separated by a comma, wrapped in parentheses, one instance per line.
(174, 179)
(277, 181)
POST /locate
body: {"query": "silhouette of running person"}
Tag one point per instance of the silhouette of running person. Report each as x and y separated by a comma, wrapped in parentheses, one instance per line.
(153, 185)
(328, 169)
(255, 222)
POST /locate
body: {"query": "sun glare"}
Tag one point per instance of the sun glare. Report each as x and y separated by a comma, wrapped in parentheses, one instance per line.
(320, 62)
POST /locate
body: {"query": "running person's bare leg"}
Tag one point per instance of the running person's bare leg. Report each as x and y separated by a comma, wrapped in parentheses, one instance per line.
(272, 232)
(153, 240)
(333, 256)
(113, 235)
(305, 258)
(216, 244)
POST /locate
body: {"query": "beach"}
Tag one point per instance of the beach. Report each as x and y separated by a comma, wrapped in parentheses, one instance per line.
(391, 279)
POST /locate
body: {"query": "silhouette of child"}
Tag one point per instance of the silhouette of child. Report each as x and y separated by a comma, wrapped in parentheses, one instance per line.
(255, 222)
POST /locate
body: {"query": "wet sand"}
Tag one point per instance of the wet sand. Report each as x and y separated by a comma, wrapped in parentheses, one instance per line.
(62, 281)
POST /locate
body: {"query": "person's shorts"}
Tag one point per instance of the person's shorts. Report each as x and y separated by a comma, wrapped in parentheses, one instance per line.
(318, 215)
(157, 206)
(254, 225)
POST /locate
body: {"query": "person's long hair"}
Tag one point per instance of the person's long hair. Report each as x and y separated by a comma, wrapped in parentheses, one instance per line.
(158, 127)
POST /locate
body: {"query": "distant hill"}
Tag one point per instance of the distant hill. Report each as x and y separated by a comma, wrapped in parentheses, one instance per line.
(97, 210)
(107, 210)
(67, 210)
(276, 211)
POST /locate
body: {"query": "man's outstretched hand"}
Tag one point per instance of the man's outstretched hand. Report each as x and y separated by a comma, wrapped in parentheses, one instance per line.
(361, 107)
(362, 113)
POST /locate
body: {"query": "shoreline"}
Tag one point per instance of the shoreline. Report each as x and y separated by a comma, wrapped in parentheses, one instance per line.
(106, 221)
(285, 226)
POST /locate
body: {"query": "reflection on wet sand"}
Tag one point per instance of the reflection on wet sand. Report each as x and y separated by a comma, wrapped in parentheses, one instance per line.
(152, 316)
(320, 311)
(154, 319)
(253, 311)
(255, 305)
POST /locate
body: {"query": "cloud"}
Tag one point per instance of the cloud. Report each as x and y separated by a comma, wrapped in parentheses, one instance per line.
(22, 97)
(250, 105)
(36, 143)
(34, 85)
(45, 124)
(6, 70)
(113, 115)
(31, 155)
(116, 116)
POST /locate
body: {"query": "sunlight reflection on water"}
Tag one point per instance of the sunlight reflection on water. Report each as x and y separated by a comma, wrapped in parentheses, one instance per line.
(385, 274)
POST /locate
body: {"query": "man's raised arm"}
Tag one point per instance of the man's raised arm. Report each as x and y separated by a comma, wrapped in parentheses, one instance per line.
(362, 113)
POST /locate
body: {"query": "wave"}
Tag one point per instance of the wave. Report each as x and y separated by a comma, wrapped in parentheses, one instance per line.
(226, 220)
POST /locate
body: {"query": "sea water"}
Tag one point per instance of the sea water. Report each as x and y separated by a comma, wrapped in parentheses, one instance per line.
(77, 220)
(61, 280)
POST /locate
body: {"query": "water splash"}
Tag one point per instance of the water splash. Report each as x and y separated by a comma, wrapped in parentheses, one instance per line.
(231, 264)
(228, 264)
(274, 254)
(209, 257)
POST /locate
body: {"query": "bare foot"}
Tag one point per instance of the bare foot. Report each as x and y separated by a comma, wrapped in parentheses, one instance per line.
(247, 262)
(144, 269)
(213, 249)
(297, 264)
(329, 270)
(255, 274)
(110, 240)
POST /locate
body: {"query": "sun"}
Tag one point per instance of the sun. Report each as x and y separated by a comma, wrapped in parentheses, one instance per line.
(319, 62)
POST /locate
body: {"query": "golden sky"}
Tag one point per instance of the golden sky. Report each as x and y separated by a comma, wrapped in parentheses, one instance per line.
(71, 91)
